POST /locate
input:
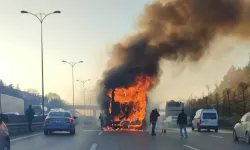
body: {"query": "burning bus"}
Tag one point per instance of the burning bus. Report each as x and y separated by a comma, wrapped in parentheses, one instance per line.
(127, 105)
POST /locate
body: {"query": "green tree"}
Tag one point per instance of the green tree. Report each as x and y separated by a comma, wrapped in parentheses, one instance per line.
(1, 82)
(53, 96)
(33, 91)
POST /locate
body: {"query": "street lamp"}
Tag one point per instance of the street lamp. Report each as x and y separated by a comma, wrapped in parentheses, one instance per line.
(72, 64)
(41, 17)
(83, 82)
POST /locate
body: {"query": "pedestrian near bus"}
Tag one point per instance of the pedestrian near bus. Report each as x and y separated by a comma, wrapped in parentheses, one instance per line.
(182, 122)
(153, 119)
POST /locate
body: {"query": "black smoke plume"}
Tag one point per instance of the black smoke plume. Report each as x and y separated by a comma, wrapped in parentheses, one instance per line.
(174, 30)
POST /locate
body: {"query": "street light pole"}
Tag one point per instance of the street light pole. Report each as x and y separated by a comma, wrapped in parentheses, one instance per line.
(72, 64)
(41, 17)
(83, 82)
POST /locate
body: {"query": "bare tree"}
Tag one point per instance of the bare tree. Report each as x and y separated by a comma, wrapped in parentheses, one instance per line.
(227, 92)
(208, 88)
(216, 96)
(243, 86)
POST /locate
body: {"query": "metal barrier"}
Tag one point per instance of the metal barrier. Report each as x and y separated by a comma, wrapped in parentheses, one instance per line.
(20, 128)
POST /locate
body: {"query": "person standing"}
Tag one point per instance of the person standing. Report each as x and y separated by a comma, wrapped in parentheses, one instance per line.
(153, 119)
(101, 119)
(182, 122)
(30, 116)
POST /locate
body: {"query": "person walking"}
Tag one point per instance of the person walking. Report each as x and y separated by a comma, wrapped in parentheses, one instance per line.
(30, 116)
(182, 122)
(153, 119)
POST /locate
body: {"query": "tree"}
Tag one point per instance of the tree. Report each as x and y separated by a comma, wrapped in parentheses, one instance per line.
(216, 96)
(33, 91)
(208, 87)
(53, 96)
(227, 91)
(1, 82)
(17, 87)
(11, 86)
(243, 86)
(56, 103)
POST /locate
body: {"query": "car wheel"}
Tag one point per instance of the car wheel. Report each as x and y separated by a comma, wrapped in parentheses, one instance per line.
(216, 130)
(46, 132)
(247, 138)
(199, 128)
(235, 137)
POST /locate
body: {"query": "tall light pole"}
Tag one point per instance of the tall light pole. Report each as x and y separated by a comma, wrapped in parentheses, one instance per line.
(72, 64)
(41, 17)
(83, 82)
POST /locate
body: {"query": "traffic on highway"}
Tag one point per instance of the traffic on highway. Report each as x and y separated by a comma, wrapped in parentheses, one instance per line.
(81, 75)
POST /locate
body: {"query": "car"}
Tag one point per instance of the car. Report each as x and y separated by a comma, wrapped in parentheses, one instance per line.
(59, 121)
(4, 136)
(242, 129)
(205, 119)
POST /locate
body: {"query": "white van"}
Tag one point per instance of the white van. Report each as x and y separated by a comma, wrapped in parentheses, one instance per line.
(205, 119)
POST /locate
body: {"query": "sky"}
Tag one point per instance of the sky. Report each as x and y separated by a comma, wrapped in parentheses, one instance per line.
(85, 31)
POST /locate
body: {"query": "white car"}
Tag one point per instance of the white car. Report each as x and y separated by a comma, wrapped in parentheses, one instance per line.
(205, 119)
(242, 129)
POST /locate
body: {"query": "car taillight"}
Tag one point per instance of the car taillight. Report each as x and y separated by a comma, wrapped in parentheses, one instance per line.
(70, 121)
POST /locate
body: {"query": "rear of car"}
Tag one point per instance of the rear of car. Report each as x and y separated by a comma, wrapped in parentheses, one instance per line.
(59, 121)
(4, 137)
(209, 120)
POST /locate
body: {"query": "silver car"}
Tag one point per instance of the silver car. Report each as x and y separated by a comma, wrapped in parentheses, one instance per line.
(4, 136)
(59, 121)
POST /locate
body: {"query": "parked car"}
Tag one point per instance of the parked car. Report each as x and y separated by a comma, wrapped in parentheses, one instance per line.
(242, 129)
(59, 121)
(4, 136)
(205, 119)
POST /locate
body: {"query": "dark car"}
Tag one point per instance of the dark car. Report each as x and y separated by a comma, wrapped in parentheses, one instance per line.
(4, 136)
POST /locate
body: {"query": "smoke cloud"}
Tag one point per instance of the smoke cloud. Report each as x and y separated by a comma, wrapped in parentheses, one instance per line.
(175, 30)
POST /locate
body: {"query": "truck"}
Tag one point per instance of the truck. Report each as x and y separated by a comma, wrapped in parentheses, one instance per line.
(11, 104)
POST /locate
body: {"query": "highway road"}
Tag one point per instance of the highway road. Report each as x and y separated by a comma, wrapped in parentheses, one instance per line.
(90, 138)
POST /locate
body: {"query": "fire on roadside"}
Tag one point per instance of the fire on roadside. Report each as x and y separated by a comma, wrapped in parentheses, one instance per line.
(134, 98)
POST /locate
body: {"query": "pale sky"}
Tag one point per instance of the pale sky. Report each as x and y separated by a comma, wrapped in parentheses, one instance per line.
(85, 30)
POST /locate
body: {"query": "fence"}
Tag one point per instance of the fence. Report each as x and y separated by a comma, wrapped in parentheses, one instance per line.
(21, 128)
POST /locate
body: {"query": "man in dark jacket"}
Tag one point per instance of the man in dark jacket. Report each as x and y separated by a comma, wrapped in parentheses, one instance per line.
(153, 119)
(182, 122)
(30, 116)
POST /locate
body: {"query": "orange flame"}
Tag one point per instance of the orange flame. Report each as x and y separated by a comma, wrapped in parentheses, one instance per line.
(135, 94)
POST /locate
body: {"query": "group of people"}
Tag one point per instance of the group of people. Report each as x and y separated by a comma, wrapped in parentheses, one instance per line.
(181, 121)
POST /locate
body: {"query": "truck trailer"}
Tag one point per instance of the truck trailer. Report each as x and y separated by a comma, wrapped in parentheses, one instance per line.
(11, 104)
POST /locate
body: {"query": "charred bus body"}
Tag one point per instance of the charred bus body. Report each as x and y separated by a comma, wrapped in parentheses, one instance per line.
(117, 113)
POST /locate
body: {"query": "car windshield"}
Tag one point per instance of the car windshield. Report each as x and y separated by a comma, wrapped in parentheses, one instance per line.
(59, 114)
(209, 115)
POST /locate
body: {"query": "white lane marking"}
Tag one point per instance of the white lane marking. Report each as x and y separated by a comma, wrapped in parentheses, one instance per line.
(220, 137)
(25, 137)
(100, 133)
(190, 147)
(93, 147)
(89, 130)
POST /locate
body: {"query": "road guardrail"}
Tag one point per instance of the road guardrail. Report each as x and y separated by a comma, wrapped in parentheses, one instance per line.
(21, 128)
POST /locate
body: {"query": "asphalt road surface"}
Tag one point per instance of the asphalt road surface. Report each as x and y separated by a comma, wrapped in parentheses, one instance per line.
(90, 138)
